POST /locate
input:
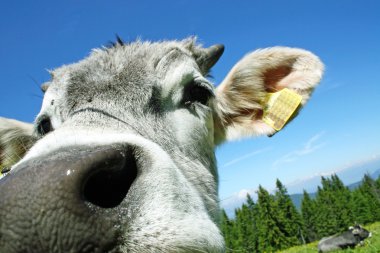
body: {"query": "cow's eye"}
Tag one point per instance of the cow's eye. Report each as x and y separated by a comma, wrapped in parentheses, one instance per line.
(44, 126)
(196, 93)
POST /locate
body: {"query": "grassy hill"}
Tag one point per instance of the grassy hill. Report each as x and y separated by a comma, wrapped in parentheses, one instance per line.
(372, 245)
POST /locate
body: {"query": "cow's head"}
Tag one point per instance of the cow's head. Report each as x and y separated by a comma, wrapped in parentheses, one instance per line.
(124, 160)
(360, 232)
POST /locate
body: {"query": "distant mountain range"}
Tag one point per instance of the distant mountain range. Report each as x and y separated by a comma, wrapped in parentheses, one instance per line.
(349, 175)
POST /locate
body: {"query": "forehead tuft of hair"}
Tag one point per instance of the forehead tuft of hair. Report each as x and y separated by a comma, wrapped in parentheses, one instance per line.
(190, 43)
(119, 42)
(117, 53)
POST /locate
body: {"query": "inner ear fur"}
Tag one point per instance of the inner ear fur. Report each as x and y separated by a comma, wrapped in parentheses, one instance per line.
(242, 95)
(15, 140)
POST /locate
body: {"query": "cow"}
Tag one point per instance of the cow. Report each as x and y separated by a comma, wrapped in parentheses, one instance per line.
(349, 239)
(121, 156)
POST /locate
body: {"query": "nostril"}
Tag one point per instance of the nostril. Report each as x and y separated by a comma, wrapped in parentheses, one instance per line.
(110, 181)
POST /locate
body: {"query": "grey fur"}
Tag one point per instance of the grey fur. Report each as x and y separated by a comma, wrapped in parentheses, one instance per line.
(129, 100)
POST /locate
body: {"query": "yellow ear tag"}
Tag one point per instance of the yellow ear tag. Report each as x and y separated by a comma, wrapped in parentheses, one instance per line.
(280, 106)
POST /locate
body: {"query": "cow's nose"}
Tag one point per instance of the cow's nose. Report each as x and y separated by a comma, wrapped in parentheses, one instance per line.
(109, 178)
(52, 198)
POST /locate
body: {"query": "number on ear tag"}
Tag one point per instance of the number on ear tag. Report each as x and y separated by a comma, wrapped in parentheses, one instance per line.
(280, 106)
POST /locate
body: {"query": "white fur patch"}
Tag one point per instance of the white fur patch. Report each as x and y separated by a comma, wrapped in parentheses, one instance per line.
(74, 137)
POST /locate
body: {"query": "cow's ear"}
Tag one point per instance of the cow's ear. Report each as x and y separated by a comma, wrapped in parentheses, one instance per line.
(242, 97)
(15, 139)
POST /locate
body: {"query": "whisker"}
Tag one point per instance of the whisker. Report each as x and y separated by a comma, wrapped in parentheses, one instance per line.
(35, 82)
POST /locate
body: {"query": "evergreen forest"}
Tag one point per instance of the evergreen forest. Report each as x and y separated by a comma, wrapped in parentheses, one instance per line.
(273, 222)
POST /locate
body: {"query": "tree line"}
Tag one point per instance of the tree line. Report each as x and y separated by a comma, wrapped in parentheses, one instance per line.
(273, 222)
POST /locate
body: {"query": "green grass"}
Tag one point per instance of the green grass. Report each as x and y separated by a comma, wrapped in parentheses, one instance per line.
(371, 245)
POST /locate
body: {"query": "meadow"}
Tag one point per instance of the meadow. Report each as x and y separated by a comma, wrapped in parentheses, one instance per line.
(371, 245)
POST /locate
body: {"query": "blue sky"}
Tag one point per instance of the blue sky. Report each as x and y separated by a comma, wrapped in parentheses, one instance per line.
(338, 129)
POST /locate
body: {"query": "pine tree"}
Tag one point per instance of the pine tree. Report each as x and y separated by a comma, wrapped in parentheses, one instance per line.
(308, 210)
(226, 226)
(240, 234)
(334, 212)
(288, 219)
(270, 237)
(253, 214)
(343, 203)
(238, 230)
(244, 225)
(325, 216)
(377, 186)
(361, 208)
(371, 193)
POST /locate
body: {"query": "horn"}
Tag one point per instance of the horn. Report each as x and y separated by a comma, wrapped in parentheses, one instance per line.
(44, 87)
(206, 58)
